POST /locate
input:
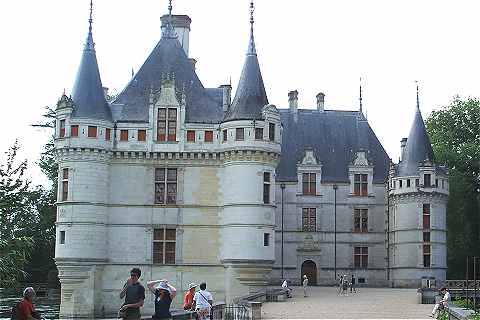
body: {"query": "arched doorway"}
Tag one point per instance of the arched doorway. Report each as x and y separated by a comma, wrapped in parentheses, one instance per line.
(310, 269)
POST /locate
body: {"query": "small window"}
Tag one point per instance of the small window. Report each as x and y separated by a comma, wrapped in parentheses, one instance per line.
(266, 187)
(426, 216)
(190, 135)
(426, 237)
(239, 134)
(258, 133)
(74, 131)
(408, 183)
(361, 280)
(62, 237)
(417, 183)
(426, 255)
(309, 219)
(266, 239)
(164, 246)
(92, 132)
(427, 183)
(108, 134)
(271, 131)
(62, 128)
(65, 174)
(443, 184)
(142, 135)
(225, 135)
(400, 184)
(123, 135)
(436, 183)
(208, 136)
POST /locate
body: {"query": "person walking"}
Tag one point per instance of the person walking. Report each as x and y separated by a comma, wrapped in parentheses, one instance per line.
(352, 284)
(134, 294)
(25, 309)
(188, 299)
(203, 301)
(164, 294)
(305, 284)
(340, 283)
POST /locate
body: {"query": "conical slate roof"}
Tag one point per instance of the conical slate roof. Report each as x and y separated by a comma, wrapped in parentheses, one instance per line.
(418, 148)
(167, 59)
(87, 93)
(250, 97)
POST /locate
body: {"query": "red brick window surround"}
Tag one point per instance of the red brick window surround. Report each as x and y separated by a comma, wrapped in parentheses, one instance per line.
(360, 220)
(64, 194)
(309, 219)
(142, 135)
(74, 130)
(164, 246)
(167, 124)
(62, 129)
(108, 134)
(92, 132)
(165, 186)
(123, 135)
(209, 136)
(360, 185)
(360, 257)
(309, 184)
(190, 135)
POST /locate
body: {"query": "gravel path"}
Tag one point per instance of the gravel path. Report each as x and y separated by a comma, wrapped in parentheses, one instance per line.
(367, 303)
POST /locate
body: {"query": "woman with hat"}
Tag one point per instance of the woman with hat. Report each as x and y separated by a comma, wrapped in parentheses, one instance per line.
(164, 294)
(188, 301)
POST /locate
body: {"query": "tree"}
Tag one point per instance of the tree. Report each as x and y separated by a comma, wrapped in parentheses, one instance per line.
(455, 135)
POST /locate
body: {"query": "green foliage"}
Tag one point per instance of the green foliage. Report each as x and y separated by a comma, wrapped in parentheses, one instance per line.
(475, 316)
(464, 303)
(455, 134)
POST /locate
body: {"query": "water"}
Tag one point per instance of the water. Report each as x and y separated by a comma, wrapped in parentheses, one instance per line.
(48, 308)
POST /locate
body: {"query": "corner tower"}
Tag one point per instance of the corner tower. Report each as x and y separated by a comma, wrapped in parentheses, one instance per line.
(418, 194)
(251, 140)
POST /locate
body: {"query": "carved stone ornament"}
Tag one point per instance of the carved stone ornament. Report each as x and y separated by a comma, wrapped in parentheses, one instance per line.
(360, 159)
(167, 95)
(308, 244)
(309, 158)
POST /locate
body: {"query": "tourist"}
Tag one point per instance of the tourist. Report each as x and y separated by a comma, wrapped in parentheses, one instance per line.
(442, 304)
(164, 294)
(344, 289)
(287, 288)
(340, 282)
(352, 284)
(188, 300)
(203, 302)
(305, 284)
(25, 310)
(134, 294)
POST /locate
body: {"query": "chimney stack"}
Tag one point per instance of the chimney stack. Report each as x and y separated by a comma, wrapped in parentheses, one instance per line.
(293, 103)
(403, 144)
(227, 96)
(194, 62)
(321, 102)
(181, 24)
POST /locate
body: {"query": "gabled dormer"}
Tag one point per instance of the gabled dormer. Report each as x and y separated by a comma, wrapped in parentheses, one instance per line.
(360, 173)
(309, 174)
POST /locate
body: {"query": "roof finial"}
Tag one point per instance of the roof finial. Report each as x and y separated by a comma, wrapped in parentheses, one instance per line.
(360, 98)
(418, 101)
(251, 46)
(170, 9)
(90, 21)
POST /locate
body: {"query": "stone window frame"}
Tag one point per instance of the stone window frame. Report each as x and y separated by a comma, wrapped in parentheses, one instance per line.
(62, 128)
(427, 255)
(208, 136)
(362, 254)
(160, 180)
(266, 239)
(191, 135)
(124, 135)
(267, 187)
(171, 122)
(271, 131)
(309, 226)
(361, 211)
(62, 237)
(166, 238)
(108, 134)
(74, 128)
(239, 134)
(258, 134)
(426, 216)
(362, 165)
(92, 132)
(64, 183)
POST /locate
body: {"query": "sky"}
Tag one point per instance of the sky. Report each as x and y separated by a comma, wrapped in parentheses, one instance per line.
(307, 45)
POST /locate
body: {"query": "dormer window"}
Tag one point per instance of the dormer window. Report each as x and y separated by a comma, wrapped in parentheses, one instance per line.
(309, 184)
(62, 129)
(360, 187)
(167, 124)
(240, 134)
(271, 131)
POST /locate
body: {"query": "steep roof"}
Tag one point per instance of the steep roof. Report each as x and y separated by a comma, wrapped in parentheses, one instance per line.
(167, 58)
(250, 96)
(335, 136)
(418, 148)
(87, 93)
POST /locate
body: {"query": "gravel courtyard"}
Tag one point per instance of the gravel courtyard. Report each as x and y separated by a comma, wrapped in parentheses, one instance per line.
(367, 303)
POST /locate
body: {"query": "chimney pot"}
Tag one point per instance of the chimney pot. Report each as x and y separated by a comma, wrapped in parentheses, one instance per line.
(293, 103)
(181, 24)
(321, 102)
(403, 144)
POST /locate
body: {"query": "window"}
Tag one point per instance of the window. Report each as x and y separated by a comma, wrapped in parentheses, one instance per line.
(271, 131)
(108, 134)
(408, 183)
(436, 183)
(361, 280)
(164, 246)
(417, 183)
(266, 239)
(92, 132)
(225, 135)
(74, 131)
(443, 184)
(426, 216)
(258, 133)
(360, 186)
(167, 124)
(190, 135)
(208, 136)
(123, 135)
(427, 183)
(142, 135)
(266, 187)
(309, 219)
(62, 237)
(360, 257)
(62, 128)
(65, 184)
(309, 184)
(360, 220)
(426, 237)
(165, 180)
(400, 182)
(394, 184)
(239, 134)
(426, 255)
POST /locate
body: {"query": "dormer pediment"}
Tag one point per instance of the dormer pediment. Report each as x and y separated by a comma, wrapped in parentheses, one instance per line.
(360, 159)
(309, 158)
(167, 96)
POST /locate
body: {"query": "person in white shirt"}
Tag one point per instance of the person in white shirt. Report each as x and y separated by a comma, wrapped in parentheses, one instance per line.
(305, 284)
(442, 304)
(286, 287)
(202, 302)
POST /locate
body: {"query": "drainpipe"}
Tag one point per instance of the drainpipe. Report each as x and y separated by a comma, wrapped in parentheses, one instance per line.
(335, 187)
(282, 186)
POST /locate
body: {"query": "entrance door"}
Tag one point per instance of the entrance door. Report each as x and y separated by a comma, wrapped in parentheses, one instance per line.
(310, 269)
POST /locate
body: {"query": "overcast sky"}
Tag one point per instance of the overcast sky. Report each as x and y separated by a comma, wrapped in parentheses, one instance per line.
(307, 45)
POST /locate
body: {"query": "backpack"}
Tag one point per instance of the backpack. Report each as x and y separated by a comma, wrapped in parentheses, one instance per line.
(15, 314)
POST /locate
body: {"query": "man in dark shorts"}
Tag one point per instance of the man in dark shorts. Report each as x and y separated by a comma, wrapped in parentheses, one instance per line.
(134, 294)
